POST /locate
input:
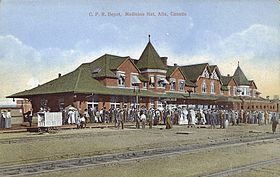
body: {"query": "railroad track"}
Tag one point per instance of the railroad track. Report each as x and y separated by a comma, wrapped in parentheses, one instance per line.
(59, 165)
(243, 168)
(38, 137)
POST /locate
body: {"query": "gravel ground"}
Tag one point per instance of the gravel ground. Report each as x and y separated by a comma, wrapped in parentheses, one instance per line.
(189, 164)
(87, 142)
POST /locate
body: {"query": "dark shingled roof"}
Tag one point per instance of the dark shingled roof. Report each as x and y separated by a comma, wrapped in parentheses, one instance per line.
(192, 72)
(225, 80)
(103, 66)
(150, 59)
(240, 77)
(79, 81)
(171, 69)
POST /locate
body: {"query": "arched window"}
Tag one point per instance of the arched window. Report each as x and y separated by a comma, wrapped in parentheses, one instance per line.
(212, 87)
(203, 87)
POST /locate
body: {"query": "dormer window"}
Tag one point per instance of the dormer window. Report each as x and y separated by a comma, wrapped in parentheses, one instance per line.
(121, 78)
(203, 87)
(181, 85)
(161, 82)
(172, 84)
(134, 80)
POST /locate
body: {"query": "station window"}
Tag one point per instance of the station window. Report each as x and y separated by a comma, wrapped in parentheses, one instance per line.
(152, 81)
(172, 84)
(212, 88)
(182, 85)
(121, 78)
(203, 87)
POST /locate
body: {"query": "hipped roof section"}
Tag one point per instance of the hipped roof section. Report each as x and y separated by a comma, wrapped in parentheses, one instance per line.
(150, 59)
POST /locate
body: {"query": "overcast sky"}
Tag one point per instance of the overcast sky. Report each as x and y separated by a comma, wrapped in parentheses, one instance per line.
(39, 39)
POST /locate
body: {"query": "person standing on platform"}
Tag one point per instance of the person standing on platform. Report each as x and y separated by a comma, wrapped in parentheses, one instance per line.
(28, 115)
(212, 120)
(143, 119)
(136, 115)
(150, 118)
(8, 119)
(168, 120)
(2, 119)
(275, 121)
(266, 120)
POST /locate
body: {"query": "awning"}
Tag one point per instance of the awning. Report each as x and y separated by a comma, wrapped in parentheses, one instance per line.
(121, 76)
(135, 79)
(163, 80)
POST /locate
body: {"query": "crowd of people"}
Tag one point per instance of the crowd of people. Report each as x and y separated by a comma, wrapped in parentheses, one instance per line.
(170, 116)
(5, 119)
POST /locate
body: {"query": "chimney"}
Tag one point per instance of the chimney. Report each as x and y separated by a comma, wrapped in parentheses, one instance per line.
(59, 75)
(175, 64)
(164, 60)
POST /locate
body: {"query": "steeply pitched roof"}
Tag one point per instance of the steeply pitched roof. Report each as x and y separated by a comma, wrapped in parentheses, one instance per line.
(216, 68)
(150, 59)
(193, 71)
(225, 80)
(171, 69)
(103, 66)
(240, 77)
(252, 83)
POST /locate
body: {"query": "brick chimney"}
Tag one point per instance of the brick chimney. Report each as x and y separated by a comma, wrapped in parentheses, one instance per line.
(59, 75)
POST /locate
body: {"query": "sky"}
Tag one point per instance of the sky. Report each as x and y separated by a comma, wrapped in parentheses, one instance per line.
(39, 39)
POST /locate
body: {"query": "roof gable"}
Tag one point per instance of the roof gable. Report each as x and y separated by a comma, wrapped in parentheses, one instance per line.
(253, 84)
(240, 77)
(192, 72)
(150, 59)
(103, 66)
(131, 61)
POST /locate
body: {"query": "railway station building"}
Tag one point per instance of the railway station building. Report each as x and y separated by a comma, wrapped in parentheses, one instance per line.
(115, 81)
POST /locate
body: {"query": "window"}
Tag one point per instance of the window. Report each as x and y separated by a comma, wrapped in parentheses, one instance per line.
(212, 88)
(203, 87)
(152, 81)
(44, 103)
(161, 82)
(134, 80)
(121, 78)
(172, 84)
(144, 84)
(92, 105)
(182, 85)
(61, 104)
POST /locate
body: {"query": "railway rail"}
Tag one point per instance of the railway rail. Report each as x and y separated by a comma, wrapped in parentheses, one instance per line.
(243, 168)
(59, 165)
